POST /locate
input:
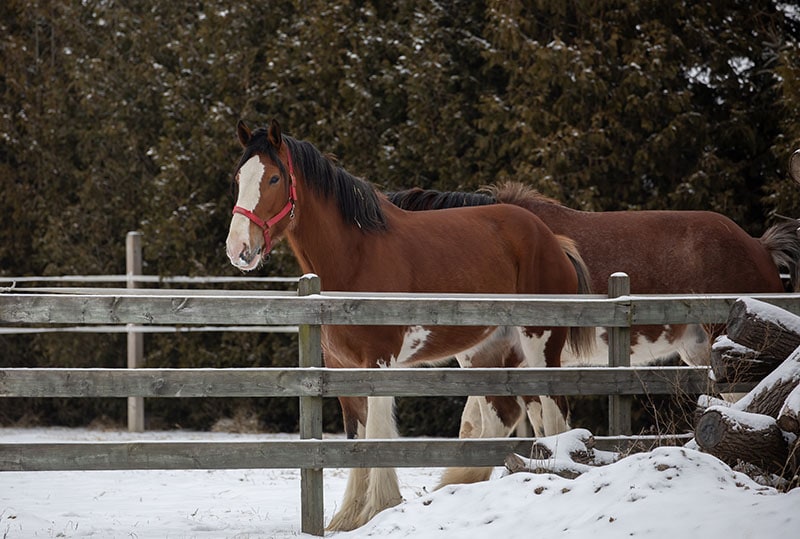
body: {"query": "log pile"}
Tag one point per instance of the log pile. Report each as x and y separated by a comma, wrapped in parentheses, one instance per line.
(759, 338)
(758, 435)
(762, 428)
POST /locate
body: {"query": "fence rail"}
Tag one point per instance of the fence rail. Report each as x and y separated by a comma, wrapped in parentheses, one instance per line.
(326, 382)
(143, 307)
(302, 454)
(150, 279)
(146, 307)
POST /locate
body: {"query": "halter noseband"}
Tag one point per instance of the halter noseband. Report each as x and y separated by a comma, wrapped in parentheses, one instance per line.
(288, 209)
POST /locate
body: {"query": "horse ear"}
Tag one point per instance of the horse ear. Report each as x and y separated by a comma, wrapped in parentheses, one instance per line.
(274, 135)
(244, 133)
(794, 166)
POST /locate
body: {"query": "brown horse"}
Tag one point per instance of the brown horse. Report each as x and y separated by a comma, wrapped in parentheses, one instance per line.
(342, 229)
(663, 252)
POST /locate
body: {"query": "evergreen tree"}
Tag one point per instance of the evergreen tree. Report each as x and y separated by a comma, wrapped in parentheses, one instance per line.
(121, 116)
(613, 105)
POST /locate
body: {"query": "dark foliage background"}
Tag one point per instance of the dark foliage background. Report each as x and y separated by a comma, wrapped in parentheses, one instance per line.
(118, 116)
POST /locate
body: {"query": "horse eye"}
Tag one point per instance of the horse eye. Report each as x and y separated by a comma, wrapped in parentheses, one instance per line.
(274, 180)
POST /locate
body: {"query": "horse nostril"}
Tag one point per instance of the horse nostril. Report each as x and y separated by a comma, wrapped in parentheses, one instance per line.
(246, 256)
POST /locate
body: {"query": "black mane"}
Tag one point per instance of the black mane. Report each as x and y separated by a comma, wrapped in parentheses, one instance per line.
(357, 199)
(417, 199)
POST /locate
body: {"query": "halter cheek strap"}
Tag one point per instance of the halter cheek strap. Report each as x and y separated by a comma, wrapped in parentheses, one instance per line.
(288, 209)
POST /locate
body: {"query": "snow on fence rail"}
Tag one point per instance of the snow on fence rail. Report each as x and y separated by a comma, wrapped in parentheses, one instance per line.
(244, 308)
(311, 383)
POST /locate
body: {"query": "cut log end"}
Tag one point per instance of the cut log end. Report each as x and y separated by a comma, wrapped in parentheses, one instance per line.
(732, 435)
(751, 323)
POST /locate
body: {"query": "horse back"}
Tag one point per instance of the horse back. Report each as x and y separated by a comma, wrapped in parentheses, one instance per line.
(667, 251)
(483, 249)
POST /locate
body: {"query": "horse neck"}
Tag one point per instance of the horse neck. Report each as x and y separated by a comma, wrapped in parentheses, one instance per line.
(322, 242)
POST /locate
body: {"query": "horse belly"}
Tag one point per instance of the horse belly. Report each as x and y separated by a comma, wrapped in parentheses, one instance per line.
(393, 346)
(650, 346)
(437, 343)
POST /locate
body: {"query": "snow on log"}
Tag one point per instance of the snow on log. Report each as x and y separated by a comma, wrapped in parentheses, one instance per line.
(732, 362)
(769, 330)
(789, 415)
(748, 430)
(769, 396)
(568, 454)
(707, 401)
(732, 435)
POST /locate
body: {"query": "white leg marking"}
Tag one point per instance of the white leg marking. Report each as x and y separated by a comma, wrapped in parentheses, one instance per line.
(553, 420)
(492, 425)
(380, 418)
(546, 417)
(535, 417)
(533, 348)
(479, 420)
(694, 346)
(346, 518)
(363, 494)
(471, 423)
(382, 487)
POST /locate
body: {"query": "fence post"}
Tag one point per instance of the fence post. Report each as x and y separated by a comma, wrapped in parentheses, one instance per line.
(619, 355)
(310, 345)
(133, 267)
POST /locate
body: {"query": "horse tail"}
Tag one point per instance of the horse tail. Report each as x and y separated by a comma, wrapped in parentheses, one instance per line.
(782, 241)
(581, 340)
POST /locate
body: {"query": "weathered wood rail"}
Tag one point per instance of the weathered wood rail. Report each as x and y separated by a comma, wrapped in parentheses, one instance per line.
(121, 306)
(312, 383)
(325, 382)
(178, 307)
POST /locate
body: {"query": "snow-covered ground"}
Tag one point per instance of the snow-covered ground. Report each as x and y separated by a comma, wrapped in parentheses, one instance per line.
(669, 492)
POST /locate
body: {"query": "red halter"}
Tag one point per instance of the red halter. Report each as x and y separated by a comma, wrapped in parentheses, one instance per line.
(288, 209)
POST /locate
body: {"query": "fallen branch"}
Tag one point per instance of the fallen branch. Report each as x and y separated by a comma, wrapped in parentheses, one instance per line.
(568, 455)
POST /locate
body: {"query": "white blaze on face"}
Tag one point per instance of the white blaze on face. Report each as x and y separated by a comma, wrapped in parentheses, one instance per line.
(250, 176)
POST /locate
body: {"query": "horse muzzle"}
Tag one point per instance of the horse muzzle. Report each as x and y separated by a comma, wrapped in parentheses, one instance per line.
(243, 249)
(246, 259)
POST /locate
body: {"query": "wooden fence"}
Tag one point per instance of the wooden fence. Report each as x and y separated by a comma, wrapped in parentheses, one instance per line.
(311, 382)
